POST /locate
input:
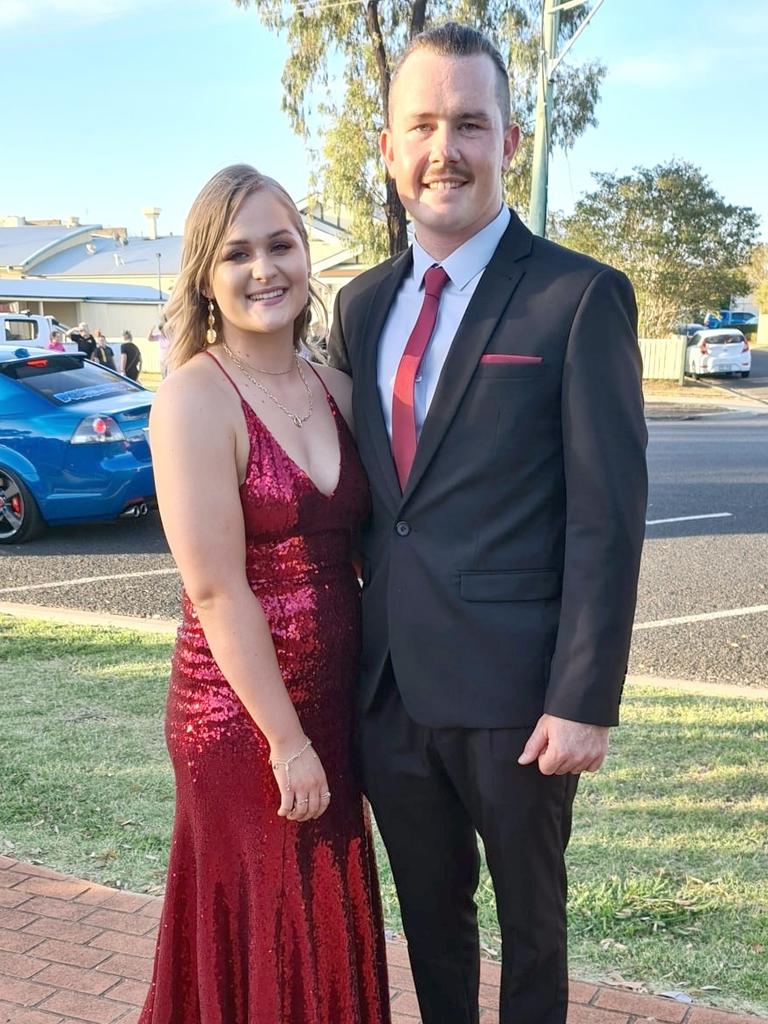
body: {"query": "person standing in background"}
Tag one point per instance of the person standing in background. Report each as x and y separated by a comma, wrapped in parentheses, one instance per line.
(102, 353)
(83, 338)
(158, 334)
(130, 357)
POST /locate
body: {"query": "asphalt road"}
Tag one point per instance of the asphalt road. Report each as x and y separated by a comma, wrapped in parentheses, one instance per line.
(755, 386)
(716, 465)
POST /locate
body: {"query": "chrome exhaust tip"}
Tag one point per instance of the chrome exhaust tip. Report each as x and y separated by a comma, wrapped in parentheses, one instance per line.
(135, 511)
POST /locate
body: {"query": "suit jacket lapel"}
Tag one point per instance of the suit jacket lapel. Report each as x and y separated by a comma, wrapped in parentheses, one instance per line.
(491, 298)
(369, 415)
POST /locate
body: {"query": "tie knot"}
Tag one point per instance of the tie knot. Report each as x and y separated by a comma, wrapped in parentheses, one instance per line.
(435, 280)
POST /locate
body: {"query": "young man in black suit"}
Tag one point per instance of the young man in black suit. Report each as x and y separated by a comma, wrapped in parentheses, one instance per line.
(499, 413)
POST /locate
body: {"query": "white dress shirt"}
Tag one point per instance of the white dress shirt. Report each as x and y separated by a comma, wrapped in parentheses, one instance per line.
(464, 267)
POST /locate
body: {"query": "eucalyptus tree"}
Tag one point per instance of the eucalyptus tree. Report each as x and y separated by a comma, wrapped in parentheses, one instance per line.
(682, 245)
(337, 77)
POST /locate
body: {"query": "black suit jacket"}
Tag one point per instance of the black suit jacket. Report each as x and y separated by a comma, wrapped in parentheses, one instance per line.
(502, 583)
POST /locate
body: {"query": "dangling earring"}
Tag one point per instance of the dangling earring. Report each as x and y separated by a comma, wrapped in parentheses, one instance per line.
(210, 334)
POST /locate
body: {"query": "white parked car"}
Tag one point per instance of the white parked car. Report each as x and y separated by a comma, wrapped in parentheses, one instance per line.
(724, 350)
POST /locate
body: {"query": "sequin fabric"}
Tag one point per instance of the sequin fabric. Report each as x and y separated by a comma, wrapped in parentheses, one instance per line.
(268, 921)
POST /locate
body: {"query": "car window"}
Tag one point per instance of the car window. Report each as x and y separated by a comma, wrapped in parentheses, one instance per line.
(68, 379)
(20, 330)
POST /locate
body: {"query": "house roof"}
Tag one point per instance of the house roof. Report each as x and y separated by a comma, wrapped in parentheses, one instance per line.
(55, 251)
(100, 256)
(76, 291)
(19, 245)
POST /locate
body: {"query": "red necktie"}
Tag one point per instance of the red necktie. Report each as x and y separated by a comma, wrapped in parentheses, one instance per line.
(403, 416)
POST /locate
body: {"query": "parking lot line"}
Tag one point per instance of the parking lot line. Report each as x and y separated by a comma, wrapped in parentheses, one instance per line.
(687, 519)
(729, 613)
(87, 579)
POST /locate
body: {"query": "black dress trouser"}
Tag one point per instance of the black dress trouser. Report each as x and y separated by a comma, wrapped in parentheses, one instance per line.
(431, 791)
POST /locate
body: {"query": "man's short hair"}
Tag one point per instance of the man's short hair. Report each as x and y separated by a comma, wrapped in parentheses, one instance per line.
(454, 40)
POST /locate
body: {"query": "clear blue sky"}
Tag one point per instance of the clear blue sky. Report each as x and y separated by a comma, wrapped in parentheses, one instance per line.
(113, 105)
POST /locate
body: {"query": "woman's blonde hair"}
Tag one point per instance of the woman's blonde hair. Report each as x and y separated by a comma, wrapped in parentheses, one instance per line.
(206, 227)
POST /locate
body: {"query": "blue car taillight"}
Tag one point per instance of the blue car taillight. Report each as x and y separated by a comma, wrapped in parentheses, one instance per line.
(97, 430)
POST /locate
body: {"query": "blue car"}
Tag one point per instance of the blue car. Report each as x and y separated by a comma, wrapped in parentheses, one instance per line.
(73, 443)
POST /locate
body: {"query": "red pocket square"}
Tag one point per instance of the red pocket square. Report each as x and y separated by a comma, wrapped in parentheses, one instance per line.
(503, 357)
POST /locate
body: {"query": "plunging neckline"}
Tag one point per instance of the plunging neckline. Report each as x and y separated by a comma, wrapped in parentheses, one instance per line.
(335, 415)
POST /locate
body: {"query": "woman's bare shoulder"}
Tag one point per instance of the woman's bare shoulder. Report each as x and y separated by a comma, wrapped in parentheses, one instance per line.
(340, 386)
(194, 392)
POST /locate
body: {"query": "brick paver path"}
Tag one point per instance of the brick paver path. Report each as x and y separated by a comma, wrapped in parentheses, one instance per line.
(74, 952)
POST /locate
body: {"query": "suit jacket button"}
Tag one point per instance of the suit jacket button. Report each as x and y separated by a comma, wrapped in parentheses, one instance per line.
(402, 529)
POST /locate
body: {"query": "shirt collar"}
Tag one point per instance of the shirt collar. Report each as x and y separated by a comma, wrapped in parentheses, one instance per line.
(469, 259)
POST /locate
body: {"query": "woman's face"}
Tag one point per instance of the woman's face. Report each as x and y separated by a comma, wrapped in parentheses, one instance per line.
(260, 280)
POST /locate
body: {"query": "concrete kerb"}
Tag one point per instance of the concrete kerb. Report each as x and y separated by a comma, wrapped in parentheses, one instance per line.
(75, 617)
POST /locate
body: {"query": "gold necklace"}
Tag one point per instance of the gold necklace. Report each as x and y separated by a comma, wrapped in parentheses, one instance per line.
(258, 369)
(298, 421)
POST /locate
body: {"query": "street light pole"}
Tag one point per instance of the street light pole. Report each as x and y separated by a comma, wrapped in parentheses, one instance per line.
(550, 26)
(548, 64)
(158, 257)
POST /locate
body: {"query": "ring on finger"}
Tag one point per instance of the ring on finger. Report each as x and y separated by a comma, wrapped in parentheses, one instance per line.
(326, 795)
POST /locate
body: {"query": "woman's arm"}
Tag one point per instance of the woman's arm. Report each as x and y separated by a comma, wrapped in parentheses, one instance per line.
(193, 449)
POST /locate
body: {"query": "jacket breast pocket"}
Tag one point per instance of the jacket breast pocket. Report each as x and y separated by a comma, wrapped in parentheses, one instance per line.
(510, 585)
(510, 371)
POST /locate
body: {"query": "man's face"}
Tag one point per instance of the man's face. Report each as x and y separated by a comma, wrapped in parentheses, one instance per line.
(446, 146)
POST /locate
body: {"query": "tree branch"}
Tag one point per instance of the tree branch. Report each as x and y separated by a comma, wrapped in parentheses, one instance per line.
(418, 17)
(382, 63)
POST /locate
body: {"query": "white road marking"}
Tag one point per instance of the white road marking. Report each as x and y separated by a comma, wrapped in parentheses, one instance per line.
(687, 519)
(87, 579)
(730, 613)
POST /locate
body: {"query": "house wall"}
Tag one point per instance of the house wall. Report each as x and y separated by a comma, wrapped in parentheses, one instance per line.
(112, 318)
(65, 312)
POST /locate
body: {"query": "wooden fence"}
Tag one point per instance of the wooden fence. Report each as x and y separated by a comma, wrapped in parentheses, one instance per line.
(663, 358)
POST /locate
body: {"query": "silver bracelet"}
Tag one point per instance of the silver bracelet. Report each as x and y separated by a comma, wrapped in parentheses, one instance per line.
(287, 764)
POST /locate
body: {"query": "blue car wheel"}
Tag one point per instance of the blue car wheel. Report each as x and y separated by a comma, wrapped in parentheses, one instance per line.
(20, 518)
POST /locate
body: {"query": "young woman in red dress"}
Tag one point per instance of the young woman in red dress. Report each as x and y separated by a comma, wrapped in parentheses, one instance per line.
(272, 913)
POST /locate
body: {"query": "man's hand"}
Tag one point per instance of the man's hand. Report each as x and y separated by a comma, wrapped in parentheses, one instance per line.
(561, 746)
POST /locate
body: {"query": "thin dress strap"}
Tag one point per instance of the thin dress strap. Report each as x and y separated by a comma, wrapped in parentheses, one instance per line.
(325, 386)
(231, 381)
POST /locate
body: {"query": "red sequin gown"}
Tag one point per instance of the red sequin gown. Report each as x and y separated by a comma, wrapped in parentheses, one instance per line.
(268, 921)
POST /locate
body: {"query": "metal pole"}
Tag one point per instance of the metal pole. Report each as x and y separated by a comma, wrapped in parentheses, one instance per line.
(537, 211)
(159, 255)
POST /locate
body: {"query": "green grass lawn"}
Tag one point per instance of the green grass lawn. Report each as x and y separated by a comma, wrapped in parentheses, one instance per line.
(668, 861)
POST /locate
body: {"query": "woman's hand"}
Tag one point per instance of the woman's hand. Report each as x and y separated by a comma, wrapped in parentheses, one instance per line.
(304, 792)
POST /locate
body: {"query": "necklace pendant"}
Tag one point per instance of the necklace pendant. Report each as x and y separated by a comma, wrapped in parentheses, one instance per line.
(296, 421)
